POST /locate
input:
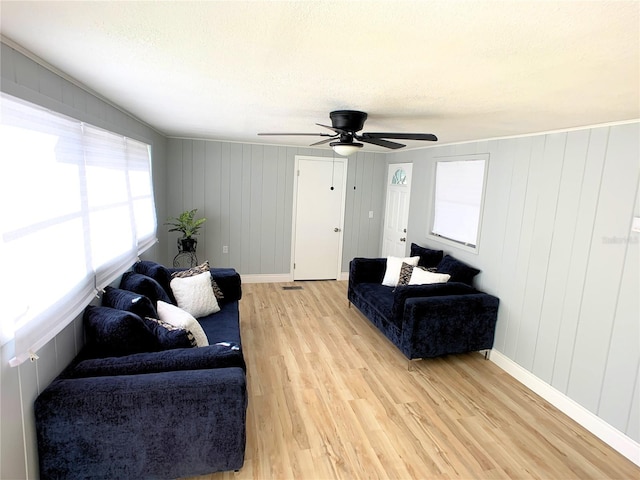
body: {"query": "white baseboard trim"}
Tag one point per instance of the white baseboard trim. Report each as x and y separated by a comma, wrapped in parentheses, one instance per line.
(267, 278)
(278, 277)
(601, 429)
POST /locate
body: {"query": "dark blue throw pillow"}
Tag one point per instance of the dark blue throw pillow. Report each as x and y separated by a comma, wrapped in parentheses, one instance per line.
(168, 336)
(428, 258)
(129, 301)
(147, 286)
(159, 273)
(459, 271)
(113, 333)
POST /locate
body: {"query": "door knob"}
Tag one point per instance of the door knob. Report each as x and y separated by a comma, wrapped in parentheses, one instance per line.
(403, 239)
(336, 229)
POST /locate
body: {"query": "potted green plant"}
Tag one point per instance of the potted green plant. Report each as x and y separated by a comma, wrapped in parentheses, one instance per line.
(188, 226)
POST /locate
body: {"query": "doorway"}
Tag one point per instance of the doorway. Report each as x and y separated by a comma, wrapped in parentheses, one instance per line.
(318, 217)
(396, 217)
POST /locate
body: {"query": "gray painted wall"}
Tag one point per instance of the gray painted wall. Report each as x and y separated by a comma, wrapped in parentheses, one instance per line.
(556, 247)
(246, 193)
(25, 78)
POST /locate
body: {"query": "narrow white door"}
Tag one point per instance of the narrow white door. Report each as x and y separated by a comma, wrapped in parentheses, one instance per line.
(394, 239)
(318, 218)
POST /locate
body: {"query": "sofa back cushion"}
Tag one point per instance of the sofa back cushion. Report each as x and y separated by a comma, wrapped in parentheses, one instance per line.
(129, 301)
(459, 271)
(159, 273)
(147, 286)
(428, 258)
(111, 332)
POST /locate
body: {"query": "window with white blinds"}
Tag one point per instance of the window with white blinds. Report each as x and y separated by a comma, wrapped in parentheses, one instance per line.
(459, 189)
(77, 209)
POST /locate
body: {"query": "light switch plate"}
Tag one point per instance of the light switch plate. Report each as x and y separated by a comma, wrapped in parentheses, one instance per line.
(635, 226)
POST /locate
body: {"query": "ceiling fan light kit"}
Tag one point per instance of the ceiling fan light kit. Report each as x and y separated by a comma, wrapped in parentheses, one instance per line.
(345, 149)
(347, 123)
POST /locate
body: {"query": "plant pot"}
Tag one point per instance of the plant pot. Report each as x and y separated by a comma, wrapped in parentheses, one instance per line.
(187, 244)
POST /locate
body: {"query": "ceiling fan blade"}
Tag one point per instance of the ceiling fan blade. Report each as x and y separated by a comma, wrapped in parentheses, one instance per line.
(305, 134)
(403, 136)
(380, 142)
(322, 142)
(337, 130)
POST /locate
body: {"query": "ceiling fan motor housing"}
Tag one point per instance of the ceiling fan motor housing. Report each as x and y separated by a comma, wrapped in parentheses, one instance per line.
(349, 120)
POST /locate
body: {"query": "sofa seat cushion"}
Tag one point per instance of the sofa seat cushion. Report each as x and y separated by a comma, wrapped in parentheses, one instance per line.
(223, 327)
(378, 297)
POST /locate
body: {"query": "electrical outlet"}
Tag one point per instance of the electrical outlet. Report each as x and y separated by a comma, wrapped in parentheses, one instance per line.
(225, 249)
(370, 213)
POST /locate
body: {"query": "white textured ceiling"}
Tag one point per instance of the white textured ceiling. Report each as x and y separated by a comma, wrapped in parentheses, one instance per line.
(464, 70)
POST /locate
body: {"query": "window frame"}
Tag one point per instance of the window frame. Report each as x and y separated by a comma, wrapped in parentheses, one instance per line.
(471, 248)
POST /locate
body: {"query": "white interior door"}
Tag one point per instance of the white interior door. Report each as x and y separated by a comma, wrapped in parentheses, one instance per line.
(394, 239)
(318, 218)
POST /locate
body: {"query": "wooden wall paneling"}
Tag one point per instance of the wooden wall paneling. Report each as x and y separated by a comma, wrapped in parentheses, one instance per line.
(269, 205)
(377, 205)
(26, 72)
(49, 84)
(288, 218)
(579, 258)
(198, 188)
(623, 358)
(494, 214)
(212, 202)
(12, 446)
(515, 260)
(541, 239)
(235, 205)
(563, 231)
(29, 390)
(366, 194)
(606, 260)
(256, 208)
(174, 194)
(7, 65)
(245, 212)
(281, 257)
(348, 252)
(633, 419)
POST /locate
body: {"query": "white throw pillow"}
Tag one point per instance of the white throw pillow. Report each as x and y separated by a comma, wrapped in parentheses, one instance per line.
(394, 264)
(420, 276)
(195, 295)
(180, 319)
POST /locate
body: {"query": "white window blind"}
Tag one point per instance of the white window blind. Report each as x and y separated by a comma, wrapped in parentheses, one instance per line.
(458, 200)
(77, 208)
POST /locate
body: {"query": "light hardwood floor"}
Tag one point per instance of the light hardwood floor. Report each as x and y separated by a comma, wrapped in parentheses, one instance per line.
(331, 398)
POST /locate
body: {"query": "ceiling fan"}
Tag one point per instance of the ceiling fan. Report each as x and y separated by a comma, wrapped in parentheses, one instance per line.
(345, 125)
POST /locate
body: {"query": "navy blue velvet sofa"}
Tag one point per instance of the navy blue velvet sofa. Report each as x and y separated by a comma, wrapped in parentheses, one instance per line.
(156, 413)
(426, 320)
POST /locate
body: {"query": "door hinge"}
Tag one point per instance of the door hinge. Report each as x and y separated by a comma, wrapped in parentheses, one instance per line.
(298, 173)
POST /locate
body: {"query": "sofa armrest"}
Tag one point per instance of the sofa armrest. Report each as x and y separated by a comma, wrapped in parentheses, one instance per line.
(159, 425)
(448, 324)
(403, 292)
(178, 359)
(229, 282)
(367, 270)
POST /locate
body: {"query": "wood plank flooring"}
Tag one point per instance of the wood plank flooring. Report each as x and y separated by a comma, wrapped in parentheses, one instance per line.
(331, 398)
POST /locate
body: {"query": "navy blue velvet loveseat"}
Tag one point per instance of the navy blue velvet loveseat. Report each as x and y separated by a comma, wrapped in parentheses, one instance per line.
(147, 410)
(426, 320)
